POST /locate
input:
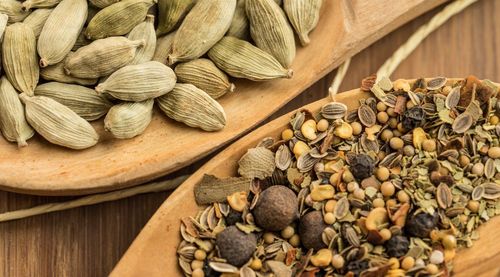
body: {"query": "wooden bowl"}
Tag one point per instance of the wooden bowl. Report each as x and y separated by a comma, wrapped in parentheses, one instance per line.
(153, 253)
(344, 29)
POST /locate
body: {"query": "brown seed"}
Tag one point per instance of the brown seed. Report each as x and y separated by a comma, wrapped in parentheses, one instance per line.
(462, 123)
(367, 116)
(444, 196)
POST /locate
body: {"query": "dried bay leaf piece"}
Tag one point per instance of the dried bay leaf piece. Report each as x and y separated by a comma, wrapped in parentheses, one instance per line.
(304, 16)
(57, 123)
(19, 57)
(203, 27)
(257, 163)
(13, 124)
(102, 57)
(193, 107)
(171, 13)
(270, 30)
(84, 101)
(241, 59)
(205, 75)
(139, 82)
(144, 31)
(118, 19)
(129, 119)
(212, 189)
(61, 30)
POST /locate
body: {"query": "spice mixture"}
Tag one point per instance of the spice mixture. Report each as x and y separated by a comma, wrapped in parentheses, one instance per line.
(392, 188)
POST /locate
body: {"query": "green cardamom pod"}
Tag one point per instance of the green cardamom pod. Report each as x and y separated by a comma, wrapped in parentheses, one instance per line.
(102, 57)
(118, 19)
(81, 41)
(13, 122)
(56, 73)
(204, 25)
(171, 13)
(193, 107)
(14, 10)
(139, 82)
(270, 30)
(36, 20)
(103, 3)
(205, 75)
(37, 4)
(239, 25)
(163, 47)
(4, 19)
(304, 16)
(84, 101)
(61, 31)
(129, 119)
(144, 31)
(19, 57)
(57, 123)
(241, 59)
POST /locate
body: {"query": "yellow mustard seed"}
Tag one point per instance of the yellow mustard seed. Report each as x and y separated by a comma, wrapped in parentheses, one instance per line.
(387, 189)
(386, 135)
(256, 264)
(195, 264)
(394, 262)
(385, 234)
(322, 125)
(383, 173)
(268, 238)
(288, 232)
(198, 273)
(473, 206)
(494, 120)
(329, 218)
(403, 197)
(408, 263)
(338, 261)
(432, 269)
(378, 203)
(381, 107)
(200, 255)
(357, 128)
(396, 143)
(294, 240)
(382, 117)
(287, 134)
(330, 206)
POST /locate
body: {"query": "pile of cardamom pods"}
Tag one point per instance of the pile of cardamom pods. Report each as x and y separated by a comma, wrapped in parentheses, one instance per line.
(68, 62)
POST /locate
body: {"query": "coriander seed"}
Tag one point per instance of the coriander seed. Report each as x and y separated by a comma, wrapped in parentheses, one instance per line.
(408, 263)
(396, 143)
(357, 128)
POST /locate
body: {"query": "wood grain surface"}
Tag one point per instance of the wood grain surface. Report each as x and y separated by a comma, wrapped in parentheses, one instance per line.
(345, 28)
(89, 241)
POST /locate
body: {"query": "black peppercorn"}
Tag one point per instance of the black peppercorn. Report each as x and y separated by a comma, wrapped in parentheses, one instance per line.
(233, 217)
(276, 208)
(362, 166)
(357, 266)
(235, 246)
(311, 228)
(420, 225)
(209, 271)
(413, 118)
(397, 246)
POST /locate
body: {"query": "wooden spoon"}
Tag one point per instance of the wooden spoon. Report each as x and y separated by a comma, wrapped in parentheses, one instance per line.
(345, 28)
(153, 253)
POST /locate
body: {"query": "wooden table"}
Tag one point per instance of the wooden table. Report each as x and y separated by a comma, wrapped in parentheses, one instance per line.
(89, 241)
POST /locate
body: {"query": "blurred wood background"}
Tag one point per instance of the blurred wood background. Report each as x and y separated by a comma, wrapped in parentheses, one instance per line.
(89, 241)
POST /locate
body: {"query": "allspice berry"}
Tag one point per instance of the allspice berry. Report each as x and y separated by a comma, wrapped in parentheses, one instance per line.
(276, 208)
(310, 230)
(236, 246)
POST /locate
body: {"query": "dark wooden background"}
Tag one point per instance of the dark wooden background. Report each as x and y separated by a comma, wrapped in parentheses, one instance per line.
(89, 241)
